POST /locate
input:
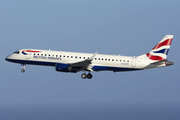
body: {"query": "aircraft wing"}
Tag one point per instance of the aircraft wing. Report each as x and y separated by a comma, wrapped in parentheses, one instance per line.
(85, 64)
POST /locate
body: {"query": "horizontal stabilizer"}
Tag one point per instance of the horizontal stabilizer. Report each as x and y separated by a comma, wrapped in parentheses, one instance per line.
(159, 62)
(166, 62)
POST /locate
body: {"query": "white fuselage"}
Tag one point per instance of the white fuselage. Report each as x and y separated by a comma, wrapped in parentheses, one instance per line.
(99, 63)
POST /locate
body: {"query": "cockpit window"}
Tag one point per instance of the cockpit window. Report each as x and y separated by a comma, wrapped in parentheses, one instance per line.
(17, 52)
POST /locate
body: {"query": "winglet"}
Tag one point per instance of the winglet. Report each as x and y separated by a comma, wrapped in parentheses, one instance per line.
(92, 57)
(85, 64)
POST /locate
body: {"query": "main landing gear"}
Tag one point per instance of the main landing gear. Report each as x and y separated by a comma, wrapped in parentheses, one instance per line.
(23, 70)
(88, 76)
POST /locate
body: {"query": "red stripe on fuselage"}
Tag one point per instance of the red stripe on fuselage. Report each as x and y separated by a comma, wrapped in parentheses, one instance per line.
(153, 57)
(166, 42)
(30, 51)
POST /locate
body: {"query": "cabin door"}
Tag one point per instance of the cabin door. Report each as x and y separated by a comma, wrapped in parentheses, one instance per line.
(27, 54)
(134, 62)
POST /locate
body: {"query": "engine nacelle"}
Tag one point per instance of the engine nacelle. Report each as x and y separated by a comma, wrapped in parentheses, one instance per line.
(64, 68)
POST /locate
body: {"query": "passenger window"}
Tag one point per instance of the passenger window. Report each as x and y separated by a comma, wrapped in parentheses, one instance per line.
(76, 57)
(49, 55)
(37, 54)
(99, 58)
(84, 57)
(56, 55)
(45, 54)
(102, 58)
(105, 59)
(109, 59)
(112, 59)
(67, 56)
(60, 56)
(41, 54)
(71, 56)
(119, 60)
(79, 57)
(95, 58)
(34, 53)
(128, 61)
(124, 61)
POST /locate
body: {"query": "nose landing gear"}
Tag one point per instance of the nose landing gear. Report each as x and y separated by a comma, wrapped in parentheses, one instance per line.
(88, 76)
(23, 70)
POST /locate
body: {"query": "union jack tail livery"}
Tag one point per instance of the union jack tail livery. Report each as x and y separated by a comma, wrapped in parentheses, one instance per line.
(160, 51)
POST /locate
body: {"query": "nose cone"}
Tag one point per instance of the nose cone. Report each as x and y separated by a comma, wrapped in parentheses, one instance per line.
(7, 58)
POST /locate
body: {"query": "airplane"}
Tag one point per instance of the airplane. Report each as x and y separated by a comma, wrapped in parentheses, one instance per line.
(74, 62)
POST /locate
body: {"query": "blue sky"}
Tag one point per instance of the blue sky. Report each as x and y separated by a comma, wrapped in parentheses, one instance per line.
(109, 27)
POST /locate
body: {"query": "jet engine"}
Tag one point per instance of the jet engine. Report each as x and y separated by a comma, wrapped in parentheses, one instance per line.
(64, 68)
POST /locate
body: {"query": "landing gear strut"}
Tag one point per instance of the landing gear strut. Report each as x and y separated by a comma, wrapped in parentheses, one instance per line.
(88, 76)
(23, 70)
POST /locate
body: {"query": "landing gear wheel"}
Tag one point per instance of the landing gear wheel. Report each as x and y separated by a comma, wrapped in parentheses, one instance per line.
(89, 76)
(84, 76)
(23, 70)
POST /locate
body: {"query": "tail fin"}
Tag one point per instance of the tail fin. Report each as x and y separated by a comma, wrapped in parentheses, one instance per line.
(160, 51)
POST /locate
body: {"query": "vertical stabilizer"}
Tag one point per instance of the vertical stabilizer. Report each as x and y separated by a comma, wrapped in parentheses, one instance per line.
(160, 51)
